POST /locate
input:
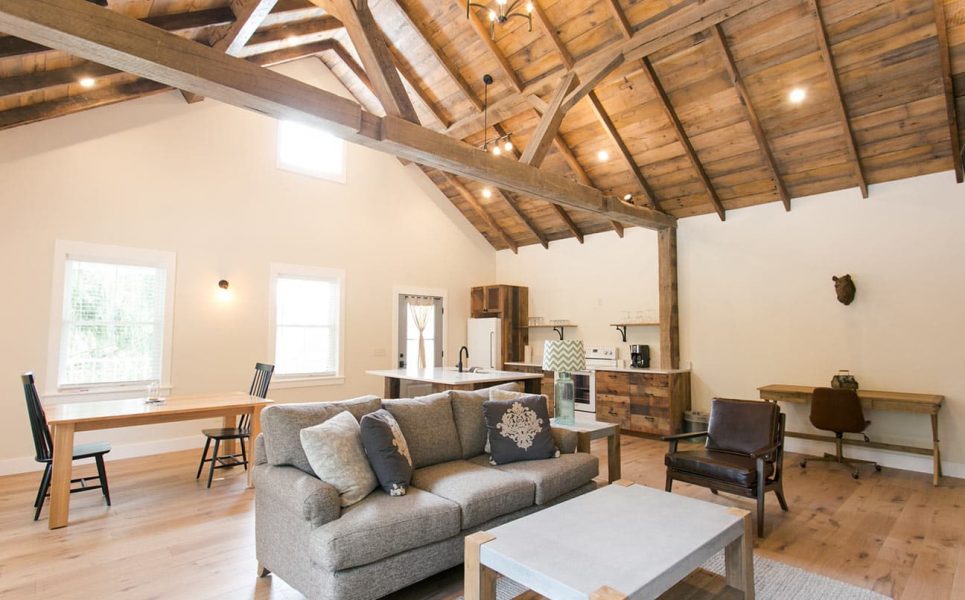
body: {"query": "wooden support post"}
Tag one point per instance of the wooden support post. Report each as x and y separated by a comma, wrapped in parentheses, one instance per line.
(669, 309)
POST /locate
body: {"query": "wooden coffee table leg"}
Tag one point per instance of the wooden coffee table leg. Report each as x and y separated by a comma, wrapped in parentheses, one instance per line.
(613, 455)
(480, 581)
(63, 438)
(583, 441)
(739, 558)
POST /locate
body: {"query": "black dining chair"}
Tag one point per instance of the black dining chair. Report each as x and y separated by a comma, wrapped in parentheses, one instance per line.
(44, 447)
(259, 388)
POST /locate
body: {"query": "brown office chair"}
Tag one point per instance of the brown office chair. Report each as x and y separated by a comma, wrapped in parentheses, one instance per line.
(839, 411)
(744, 453)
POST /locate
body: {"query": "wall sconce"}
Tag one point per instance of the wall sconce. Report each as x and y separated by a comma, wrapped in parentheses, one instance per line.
(224, 291)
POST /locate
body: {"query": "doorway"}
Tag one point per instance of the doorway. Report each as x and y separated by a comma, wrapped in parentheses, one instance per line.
(420, 336)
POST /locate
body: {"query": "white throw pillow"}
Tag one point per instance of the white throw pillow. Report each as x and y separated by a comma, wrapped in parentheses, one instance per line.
(334, 449)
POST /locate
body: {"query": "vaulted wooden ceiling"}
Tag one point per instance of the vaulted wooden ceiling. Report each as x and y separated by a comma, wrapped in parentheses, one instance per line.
(699, 121)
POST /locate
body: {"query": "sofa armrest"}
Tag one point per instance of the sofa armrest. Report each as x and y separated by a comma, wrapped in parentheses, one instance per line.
(297, 492)
(565, 439)
(261, 455)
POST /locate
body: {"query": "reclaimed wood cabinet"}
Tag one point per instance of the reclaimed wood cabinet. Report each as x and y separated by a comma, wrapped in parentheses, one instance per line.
(651, 403)
(510, 304)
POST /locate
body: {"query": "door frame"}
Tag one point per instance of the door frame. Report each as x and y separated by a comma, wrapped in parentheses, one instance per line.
(411, 290)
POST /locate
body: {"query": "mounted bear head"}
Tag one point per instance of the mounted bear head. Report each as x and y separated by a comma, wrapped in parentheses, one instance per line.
(844, 287)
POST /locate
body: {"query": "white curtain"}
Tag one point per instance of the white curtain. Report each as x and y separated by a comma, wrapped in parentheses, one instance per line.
(421, 309)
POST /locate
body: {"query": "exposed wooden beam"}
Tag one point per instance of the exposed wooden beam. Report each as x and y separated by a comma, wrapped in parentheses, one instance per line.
(42, 80)
(284, 36)
(415, 82)
(349, 61)
(440, 56)
(277, 57)
(750, 114)
(89, 32)
(611, 130)
(570, 223)
(249, 15)
(483, 31)
(553, 35)
(34, 113)
(623, 24)
(682, 137)
(825, 45)
(376, 58)
(669, 306)
(949, 86)
(589, 82)
(513, 202)
(549, 125)
(485, 216)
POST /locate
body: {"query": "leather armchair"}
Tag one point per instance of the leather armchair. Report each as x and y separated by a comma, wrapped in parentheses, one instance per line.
(743, 455)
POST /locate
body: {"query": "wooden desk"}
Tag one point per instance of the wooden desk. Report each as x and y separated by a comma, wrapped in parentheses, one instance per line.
(927, 404)
(65, 419)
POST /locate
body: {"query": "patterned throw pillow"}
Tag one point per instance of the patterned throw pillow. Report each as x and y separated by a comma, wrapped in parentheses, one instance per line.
(387, 451)
(334, 450)
(519, 429)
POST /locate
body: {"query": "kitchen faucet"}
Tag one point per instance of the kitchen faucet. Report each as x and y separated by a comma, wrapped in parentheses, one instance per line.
(459, 364)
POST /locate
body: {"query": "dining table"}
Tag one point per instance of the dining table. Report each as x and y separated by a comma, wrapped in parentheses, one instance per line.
(66, 419)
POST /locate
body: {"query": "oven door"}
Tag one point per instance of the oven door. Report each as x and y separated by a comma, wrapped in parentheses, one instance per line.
(585, 393)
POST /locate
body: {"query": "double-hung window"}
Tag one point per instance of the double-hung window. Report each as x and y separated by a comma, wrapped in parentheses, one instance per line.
(111, 318)
(307, 313)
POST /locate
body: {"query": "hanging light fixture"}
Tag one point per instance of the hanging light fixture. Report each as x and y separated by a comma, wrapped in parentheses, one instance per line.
(503, 12)
(499, 143)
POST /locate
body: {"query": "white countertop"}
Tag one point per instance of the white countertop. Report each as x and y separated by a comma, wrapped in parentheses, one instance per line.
(611, 369)
(450, 376)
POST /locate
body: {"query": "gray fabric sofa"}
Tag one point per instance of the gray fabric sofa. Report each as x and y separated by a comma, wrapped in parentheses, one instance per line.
(383, 543)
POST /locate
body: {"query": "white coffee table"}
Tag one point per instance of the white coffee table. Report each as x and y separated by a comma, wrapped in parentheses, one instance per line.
(620, 541)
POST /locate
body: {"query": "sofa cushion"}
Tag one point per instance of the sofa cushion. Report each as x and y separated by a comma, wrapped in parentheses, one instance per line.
(467, 409)
(334, 449)
(381, 526)
(387, 451)
(481, 493)
(519, 429)
(281, 424)
(428, 427)
(552, 477)
(723, 466)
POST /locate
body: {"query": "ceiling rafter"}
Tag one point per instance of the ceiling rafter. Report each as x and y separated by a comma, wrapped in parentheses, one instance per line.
(249, 16)
(372, 48)
(825, 45)
(948, 86)
(513, 201)
(682, 137)
(471, 200)
(290, 33)
(623, 24)
(750, 114)
(494, 50)
(611, 130)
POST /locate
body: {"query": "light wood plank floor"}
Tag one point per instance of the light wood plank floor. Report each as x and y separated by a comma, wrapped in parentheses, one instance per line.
(168, 537)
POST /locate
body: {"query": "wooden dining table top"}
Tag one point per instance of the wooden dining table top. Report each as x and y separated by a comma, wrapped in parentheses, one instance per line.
(105, 411)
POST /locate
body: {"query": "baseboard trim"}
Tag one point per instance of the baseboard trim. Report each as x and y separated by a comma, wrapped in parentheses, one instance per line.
(885, 458)
(26, 464)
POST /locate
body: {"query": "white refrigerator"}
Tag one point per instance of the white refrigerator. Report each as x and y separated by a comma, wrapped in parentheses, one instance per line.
(484, 344)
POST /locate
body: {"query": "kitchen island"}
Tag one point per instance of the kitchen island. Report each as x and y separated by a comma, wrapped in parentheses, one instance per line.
(449, 378)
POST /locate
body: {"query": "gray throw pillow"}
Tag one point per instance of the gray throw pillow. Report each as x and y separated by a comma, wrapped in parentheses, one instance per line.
(428, 427)
(334, 449)
(281, 424)
(387, 451)
(519, 430)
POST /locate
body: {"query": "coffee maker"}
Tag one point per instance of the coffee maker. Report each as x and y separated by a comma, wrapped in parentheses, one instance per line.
(640, 356)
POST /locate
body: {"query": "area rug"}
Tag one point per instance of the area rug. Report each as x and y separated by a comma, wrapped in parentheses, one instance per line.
(772, 581)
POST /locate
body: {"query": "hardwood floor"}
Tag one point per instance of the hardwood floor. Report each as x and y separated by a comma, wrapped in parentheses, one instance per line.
(168, 537)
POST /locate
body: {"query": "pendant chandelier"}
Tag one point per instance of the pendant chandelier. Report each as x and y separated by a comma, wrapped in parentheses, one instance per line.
(504, 11)
(499, 143)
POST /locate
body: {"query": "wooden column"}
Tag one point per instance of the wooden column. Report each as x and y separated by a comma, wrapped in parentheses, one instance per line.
(669, 311)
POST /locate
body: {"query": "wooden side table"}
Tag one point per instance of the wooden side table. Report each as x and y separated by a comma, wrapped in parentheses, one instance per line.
(587, 431)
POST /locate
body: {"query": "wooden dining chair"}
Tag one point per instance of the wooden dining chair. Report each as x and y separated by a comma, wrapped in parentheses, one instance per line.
(44, 447)
(259, 388)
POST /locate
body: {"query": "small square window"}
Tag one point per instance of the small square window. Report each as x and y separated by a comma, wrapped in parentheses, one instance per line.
(310, 151)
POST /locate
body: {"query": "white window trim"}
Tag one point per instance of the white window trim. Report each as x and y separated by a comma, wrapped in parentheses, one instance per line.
(408, 290)
(105, 253)
(277, 270)
(339, 177)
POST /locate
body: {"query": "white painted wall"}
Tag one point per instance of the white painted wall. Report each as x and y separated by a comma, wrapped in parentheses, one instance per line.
(591, 284)
(757, 304)
(201, 181)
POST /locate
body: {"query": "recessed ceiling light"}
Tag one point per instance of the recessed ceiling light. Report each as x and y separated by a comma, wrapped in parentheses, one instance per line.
(603, 156)
(797, 95)
(87, 82)
(487, 193)
(628, 198)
